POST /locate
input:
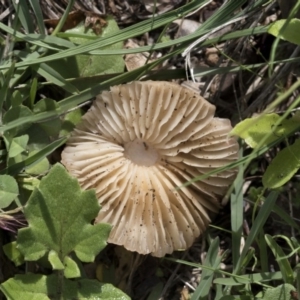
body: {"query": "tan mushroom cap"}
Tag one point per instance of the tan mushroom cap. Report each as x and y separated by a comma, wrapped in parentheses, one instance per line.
(135, 145)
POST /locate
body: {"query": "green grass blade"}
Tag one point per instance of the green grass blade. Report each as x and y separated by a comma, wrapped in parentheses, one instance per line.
(27, 38)
(64, 17)
(284, 265)
(285, 217)
(4, 89)
(257, 225)
(49, 40)
(35, 4)
(213, 260)
(222, 15)
(249, 278)
(53, 76)
(236, 297)
(263, 251)
(32, 92)
(233, 279)
(237, 215)
(22, 11)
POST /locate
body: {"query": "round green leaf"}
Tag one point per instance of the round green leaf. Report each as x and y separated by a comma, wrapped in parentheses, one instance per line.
(287, 31)
(45, 105)
(55, 261)
(89, 65)
(282, 291)
(38, 138)
(16, 99)
(8, 190)
(13, 114)
(283, 167)
(18, 145)
(70, 120)
(12, 252)
(40, 167)
(51, 127)
(71, 268)
(254, 130)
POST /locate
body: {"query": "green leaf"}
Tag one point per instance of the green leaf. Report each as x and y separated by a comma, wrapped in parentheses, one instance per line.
(89, 65)
(26, 186)
(71, 119)
(282, 167)
(52, 126)
(54, 260)
(28, 183)
(41, 287)
(18, 145)
(8, 190)
(286, 31)
(59, 215)
(16, 98)
(283, 291)
(12, 252)
(38, 168)
(71, 268)
(38, 138)
(156, 291)
(35, 158)
(45, 104)
(16, 113)
(254, 130)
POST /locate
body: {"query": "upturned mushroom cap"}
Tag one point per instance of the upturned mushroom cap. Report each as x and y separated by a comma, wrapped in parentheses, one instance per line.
(136, 144)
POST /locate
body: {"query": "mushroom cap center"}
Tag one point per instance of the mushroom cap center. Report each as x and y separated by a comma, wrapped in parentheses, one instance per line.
(141, 153)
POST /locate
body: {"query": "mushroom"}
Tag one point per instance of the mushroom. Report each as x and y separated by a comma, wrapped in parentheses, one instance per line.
(136, 145)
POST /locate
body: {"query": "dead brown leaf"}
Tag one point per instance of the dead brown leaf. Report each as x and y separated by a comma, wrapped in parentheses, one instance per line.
(184, 295)
(135, 60)
(90, 19)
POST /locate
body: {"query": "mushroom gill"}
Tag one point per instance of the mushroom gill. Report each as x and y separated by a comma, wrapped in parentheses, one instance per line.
(136, 144)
